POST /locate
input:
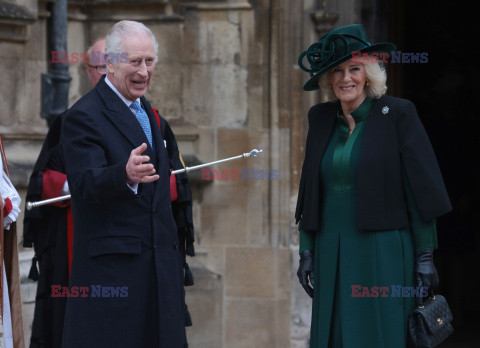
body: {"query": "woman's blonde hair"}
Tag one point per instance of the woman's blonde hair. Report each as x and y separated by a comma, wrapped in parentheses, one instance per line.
(376, 87)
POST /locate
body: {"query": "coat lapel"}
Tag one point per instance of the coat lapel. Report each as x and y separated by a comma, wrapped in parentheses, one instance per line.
(374, 140)
(156, 133)
(122, 117)
(372, 159)
(162, 163)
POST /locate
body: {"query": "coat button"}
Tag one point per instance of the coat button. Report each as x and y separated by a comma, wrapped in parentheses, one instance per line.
(175, 244)
(155, 248)
(154, 210)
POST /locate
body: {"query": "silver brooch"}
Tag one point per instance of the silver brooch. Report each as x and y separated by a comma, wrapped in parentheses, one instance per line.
(385, 110)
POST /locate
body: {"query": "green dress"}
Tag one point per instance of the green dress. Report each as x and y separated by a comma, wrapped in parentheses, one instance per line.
(346, 256)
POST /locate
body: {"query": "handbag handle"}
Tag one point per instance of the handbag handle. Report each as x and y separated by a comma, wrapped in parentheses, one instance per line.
(420, 299)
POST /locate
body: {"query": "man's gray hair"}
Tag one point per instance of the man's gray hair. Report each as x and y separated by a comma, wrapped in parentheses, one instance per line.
(122, 29)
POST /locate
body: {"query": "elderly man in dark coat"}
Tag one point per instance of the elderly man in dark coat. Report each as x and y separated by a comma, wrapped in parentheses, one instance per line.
(126, 282)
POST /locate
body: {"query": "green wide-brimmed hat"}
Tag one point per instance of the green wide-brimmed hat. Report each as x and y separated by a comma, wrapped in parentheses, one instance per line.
(336, 47)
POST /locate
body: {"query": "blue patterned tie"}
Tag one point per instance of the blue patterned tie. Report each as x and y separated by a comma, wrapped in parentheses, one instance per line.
(142, 118)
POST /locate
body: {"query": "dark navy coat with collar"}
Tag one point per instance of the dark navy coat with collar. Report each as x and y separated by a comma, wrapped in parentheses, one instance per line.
(125, 244)
(394, 141)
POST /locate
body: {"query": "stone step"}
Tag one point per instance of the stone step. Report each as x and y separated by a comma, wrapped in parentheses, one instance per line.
(28, 287)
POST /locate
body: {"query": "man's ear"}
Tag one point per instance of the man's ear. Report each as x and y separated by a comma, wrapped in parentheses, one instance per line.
(109, 63)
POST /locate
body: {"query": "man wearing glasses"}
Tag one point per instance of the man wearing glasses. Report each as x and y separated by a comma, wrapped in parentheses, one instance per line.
(96, 66)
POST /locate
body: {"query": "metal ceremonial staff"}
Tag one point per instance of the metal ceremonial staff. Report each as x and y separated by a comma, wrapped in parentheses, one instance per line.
(253, 153)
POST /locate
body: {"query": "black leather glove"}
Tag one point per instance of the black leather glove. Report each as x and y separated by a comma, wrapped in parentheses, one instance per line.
(305, 271)
(425, 272)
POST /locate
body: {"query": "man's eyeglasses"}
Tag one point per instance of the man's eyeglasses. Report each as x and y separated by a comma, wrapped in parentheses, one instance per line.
(102, 69)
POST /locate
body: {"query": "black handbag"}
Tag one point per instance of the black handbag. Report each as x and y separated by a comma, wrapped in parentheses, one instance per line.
(430, 324)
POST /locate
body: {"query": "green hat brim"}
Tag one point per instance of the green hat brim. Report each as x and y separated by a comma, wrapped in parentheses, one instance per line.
(312, 84)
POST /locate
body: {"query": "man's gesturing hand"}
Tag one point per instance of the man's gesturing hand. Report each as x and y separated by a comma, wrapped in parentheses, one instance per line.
(138, 171)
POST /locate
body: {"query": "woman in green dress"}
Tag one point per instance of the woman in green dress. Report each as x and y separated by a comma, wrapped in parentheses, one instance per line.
(369, 195)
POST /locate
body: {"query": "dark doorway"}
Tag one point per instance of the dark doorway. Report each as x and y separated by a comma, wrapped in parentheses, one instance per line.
(446, 92)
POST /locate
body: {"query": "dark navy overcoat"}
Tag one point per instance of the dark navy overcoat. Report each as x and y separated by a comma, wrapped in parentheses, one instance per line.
(125, 244)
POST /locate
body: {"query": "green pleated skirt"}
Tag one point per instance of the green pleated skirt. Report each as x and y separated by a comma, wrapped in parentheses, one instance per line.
(346, 257)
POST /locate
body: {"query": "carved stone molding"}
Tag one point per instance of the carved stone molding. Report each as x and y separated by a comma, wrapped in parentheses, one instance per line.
(80, 17)
(14, 21)
(111, 2)
(217, 6)
(13, 136)
(114, 10)
(324, 21)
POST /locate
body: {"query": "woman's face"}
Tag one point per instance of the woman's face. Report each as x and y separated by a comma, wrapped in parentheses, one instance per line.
(348, 81)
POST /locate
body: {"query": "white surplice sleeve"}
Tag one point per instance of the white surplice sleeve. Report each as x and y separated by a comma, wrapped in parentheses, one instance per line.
(8, 191)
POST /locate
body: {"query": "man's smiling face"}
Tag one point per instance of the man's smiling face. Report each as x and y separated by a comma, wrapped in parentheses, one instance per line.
(132, 78)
